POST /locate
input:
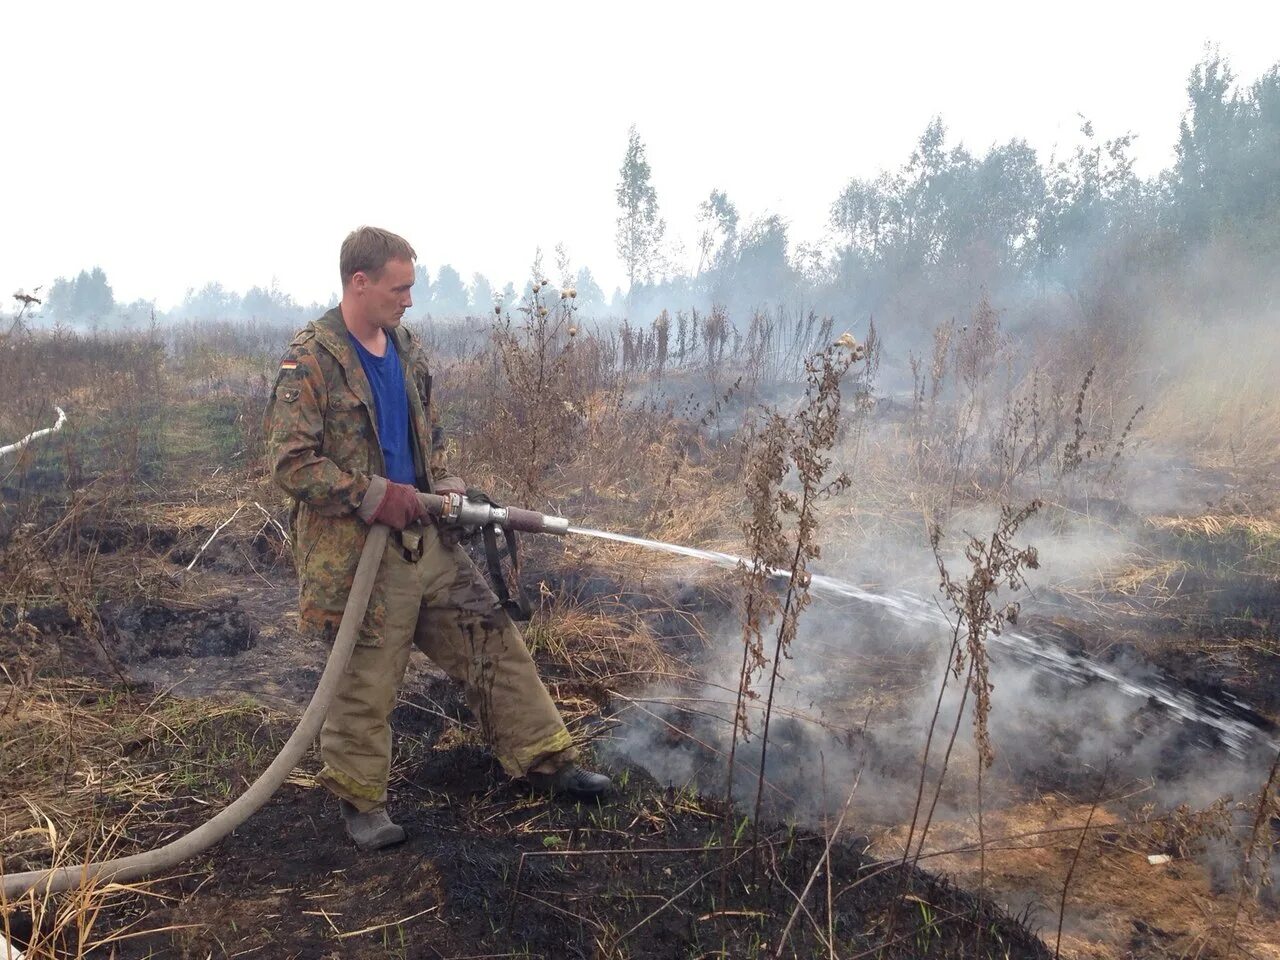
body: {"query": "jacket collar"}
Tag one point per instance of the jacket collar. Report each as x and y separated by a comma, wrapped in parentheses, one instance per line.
(332, 334)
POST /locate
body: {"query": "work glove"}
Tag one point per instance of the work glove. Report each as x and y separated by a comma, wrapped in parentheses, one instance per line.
(399, 506)
(449, 485)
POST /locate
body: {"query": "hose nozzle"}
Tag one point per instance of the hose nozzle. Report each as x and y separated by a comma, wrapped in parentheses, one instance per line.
(457, 509)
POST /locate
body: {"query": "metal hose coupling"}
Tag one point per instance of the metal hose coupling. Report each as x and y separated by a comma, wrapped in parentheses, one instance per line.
(456, 509)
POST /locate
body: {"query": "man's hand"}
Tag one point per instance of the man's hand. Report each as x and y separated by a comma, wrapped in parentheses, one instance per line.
(448, 485)
(399, 507)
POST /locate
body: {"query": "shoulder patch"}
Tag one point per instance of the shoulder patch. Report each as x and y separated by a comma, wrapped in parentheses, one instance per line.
(293, 366)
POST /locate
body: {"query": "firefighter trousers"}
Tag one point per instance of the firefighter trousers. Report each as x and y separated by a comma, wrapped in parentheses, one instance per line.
(441, 604)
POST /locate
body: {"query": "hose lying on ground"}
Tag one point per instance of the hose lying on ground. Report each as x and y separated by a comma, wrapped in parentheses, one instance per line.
(36, 435)
(124, 869)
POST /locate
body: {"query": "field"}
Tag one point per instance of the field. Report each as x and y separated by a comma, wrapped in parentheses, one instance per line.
(1031, 713)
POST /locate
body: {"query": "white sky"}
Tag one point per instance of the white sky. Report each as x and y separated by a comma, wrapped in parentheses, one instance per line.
(241, 142)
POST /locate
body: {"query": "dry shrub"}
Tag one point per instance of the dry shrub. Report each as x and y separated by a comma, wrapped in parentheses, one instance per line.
(547, 416)
(600, 641)
(519, 409)
(782, 538)
(992, 417)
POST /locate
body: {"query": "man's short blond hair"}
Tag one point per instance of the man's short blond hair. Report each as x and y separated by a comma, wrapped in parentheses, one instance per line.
(367, 250)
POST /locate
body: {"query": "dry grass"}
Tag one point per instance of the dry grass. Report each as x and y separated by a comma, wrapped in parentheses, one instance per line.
(600, 641)
(1218, 394)
(1259, 529)
(1222, 544)
(73, 925)
(91, 773)
(79, 749)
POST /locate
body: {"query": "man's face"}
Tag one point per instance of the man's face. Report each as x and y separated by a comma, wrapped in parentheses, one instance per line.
(387, 296)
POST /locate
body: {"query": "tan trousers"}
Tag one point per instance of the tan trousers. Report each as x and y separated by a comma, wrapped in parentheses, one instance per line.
(443, 605)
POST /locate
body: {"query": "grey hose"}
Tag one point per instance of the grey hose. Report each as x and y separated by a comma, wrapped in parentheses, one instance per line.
(124, 869)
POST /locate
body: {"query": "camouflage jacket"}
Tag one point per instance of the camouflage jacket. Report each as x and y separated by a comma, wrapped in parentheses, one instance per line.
(323, 450)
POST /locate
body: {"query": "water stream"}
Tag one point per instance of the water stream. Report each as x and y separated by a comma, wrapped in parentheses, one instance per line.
(1237, 734)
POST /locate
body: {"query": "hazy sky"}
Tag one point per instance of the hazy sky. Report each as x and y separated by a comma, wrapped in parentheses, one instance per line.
(175, 144)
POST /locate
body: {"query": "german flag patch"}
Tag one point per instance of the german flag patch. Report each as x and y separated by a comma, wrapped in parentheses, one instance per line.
(289, 365)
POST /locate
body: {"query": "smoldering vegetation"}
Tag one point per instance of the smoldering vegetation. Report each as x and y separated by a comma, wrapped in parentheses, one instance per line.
(862, 683)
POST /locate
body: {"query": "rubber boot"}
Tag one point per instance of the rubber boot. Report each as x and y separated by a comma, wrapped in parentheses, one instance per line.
(572, 780)
(372, 830)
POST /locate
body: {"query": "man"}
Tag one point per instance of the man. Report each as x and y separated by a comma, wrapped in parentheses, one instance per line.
(351, 438)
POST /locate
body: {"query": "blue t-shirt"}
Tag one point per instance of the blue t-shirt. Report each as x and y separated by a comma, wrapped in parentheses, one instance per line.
(392, 406)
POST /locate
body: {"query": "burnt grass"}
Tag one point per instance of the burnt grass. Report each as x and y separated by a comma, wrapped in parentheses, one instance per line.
(489, 869)
(139, 629)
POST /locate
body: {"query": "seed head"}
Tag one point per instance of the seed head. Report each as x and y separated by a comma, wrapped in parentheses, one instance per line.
(536, 286)
(573, 331)
(497, 308)
(542, 311)
(572, 293)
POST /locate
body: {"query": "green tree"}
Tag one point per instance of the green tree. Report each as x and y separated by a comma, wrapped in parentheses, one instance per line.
(508, 295)
(859, 213)
(210, 302)
(1227, 170)
(992, 207)
(760, 272)
(719, 218)
(421, 291)
(268, 303)
(87, 296)
(481, 295)
(1090, 197)
(591, 298)
(448, 293)
(640, 229)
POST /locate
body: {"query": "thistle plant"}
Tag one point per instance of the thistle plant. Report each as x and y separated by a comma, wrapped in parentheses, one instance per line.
(781, 533)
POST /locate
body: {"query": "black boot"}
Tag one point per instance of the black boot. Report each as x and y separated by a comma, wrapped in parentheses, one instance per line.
(571, 780)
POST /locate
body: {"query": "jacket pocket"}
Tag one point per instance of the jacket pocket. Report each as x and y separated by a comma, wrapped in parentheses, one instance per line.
(348, 433)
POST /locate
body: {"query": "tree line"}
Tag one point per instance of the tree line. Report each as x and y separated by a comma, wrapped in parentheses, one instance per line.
(917, 242)
(950, 223)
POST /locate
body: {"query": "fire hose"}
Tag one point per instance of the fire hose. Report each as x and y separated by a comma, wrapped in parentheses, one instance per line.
(450, 509)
